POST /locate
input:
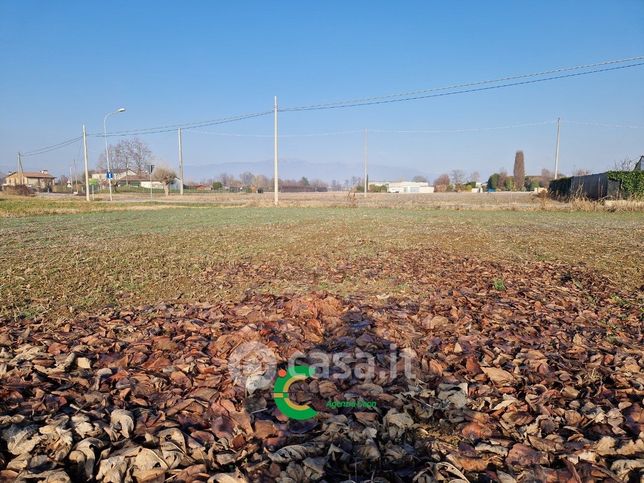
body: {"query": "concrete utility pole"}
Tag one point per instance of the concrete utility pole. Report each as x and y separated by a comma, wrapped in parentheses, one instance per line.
(20, 170)
(557, 151)
(86, 163)
(366, 158)
(180, 163)
(107, 151)
(275, 173)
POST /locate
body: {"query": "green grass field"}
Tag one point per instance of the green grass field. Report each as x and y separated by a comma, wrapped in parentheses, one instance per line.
(58, 265)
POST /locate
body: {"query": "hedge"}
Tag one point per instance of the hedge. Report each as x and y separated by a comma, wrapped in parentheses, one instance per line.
(631, 182)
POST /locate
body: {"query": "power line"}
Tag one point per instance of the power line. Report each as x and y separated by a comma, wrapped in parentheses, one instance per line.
(474, 129)
(399, 97)
(52, 147)
(193, 125)
(334, 133)
(599, 124)
(366, 102)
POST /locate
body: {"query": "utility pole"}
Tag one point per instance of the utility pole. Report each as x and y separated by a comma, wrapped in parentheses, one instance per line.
(366, 159)
(557, 151)
(20, 170)
(180, 163)
(86, 167)
(275, 174)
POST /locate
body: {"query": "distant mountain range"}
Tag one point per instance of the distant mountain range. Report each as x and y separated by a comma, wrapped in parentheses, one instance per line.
(296, 169)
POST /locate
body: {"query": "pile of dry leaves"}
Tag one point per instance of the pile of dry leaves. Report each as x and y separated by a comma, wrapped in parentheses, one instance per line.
(531, 383)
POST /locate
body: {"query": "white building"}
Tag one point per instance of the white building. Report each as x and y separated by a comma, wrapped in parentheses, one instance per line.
(406, 186)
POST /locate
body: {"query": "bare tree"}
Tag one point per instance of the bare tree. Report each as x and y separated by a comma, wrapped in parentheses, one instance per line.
(442, 180)
(117, 158)
(262, 181)
(626, 164)
(247, 178)
(458, 177)
(137, 154)
(227, 179)
(519, 171)
(581, 172)
(503, 176)
(546, 177)
(166, 176)
(419, 179)
(475, 176)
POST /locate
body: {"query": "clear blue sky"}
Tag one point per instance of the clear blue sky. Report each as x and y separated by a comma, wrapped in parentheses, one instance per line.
(68, 63)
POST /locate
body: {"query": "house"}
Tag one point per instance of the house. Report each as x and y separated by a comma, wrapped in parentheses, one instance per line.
(158, 185)
(117, 173)
(405, 186)
(38, 180)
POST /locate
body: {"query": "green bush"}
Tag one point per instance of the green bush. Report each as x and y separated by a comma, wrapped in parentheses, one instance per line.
(631, 182)
(493, 181)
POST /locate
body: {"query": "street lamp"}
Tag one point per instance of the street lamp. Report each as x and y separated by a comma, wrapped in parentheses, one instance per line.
(107, 151)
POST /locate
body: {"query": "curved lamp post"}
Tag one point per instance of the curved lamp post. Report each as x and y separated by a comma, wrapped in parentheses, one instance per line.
(107, 151)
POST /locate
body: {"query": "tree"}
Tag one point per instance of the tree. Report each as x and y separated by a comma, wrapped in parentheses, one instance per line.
(458, 178)
(503, 174)
(217, 185)
(581, 172)
(508, 183)
(227, 180)
(626, 164)
(304, 181)
(475, 176)
(137, 155)
(546, 177)
(247, 178)
(166, 176)
(117, 159)
(442, 182)
(519, 170)
(493, 182)
(419, 179)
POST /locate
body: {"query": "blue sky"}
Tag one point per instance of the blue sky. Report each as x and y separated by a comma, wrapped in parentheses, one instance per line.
(68, 63)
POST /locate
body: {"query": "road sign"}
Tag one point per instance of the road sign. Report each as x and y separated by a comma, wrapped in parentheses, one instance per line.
(110, 175)
(151, 168)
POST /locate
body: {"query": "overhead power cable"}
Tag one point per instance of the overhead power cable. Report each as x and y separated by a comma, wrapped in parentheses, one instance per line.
(193, 125)
(600, 124)
(473, 129)
(454, 89)
(396, 97)
(52, 147)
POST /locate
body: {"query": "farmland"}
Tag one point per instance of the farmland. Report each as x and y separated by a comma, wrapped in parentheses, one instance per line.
(524, 324)
(61, 264)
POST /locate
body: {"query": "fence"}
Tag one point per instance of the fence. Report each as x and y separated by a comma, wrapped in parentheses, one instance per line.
(594, 186)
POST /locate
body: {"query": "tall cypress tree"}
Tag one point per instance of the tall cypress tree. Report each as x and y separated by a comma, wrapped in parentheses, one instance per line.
(519, 171)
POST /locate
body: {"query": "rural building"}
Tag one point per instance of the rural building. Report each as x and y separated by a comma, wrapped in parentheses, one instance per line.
(118, 174)
(38, 180)
(158, 185)
(406, 186)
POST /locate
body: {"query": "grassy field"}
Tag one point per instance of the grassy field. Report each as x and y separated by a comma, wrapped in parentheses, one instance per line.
(56, 265)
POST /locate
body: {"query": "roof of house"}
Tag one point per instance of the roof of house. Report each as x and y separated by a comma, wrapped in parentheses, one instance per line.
(34, 174)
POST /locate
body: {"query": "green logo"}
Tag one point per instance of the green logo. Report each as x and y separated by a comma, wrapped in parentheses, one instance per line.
(280, 392)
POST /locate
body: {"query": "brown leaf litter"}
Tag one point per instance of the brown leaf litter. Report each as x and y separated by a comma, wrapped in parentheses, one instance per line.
(541, 382)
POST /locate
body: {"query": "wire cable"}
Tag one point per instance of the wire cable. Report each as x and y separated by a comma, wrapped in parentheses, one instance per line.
(53, 147)
(599, 124)
(174, 127)
(414, 95)
(474, 129)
